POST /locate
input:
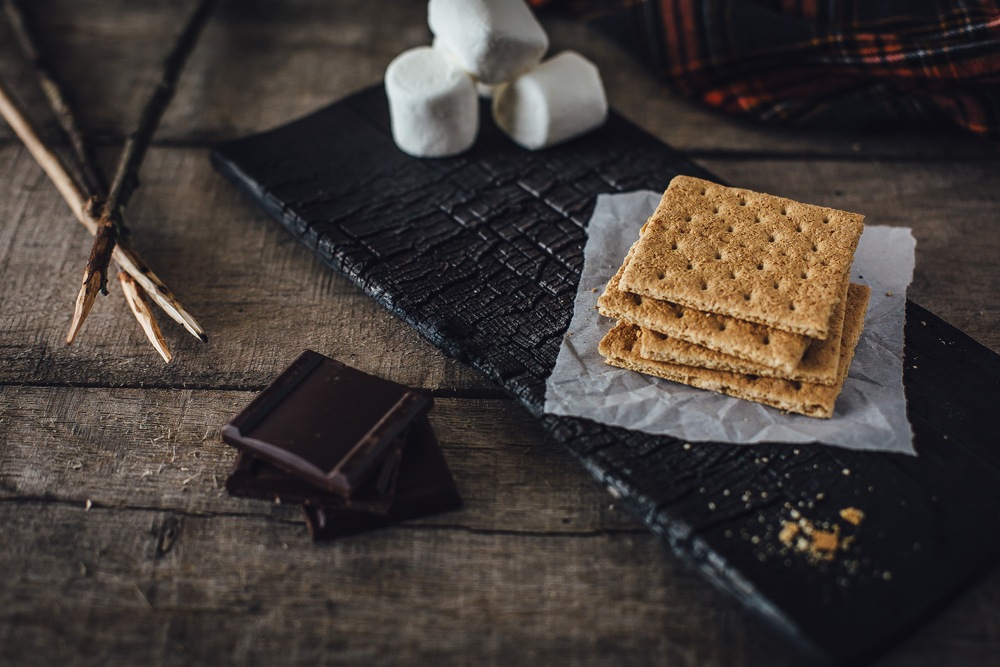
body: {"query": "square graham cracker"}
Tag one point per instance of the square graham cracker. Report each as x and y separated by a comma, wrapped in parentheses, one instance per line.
(818, 365)
(748, 255)
(620, 347)
(727, 336)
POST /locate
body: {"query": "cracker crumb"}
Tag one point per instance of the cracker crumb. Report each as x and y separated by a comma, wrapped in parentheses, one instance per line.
(788, 532)
(852, 515)
(888, 293)
(817, 543)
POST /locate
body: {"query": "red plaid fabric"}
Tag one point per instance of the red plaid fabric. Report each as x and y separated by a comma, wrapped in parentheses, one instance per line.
(833, 62)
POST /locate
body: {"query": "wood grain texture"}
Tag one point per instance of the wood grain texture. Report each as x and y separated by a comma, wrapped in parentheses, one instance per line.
(481, 586)
(162, 569)
(161, 450)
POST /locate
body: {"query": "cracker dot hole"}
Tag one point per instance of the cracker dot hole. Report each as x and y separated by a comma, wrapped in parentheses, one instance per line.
(637, 299)
(766, 340)
(747, 296)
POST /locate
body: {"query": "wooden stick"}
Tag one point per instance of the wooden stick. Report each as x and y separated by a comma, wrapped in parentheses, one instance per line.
(140, 309)
(81, 207)
(126, 178)
(92, 179)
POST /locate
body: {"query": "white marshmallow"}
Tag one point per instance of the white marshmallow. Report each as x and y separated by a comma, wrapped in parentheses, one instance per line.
(484, 90)
(433, 107)
(560, 99)
(494, 40)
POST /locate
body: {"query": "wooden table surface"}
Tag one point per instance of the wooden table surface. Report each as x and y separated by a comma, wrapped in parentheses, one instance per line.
(119, 546)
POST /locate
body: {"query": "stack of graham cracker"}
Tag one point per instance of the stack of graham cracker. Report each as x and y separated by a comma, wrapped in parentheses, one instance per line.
(742, 293)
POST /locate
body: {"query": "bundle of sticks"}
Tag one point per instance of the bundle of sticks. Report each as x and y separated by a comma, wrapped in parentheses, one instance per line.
(100, 207)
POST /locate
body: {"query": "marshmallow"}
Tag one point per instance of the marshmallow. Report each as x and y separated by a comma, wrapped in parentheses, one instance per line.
(494, 40)
(558, 100)
(484, 90)
(433, 107)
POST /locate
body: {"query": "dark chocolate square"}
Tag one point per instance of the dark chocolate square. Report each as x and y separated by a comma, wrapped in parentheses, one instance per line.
(253, 477)
(425, 487)
(326, 423)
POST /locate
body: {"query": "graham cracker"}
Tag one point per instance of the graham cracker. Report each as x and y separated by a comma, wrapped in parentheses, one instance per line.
(620, 347)
(745, 254)
(726, 335)
(819, 364)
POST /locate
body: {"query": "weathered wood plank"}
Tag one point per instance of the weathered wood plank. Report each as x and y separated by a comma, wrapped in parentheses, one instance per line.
(161, 449)
(118, 587)
(263, 298)
(317, 52)
(107, 587)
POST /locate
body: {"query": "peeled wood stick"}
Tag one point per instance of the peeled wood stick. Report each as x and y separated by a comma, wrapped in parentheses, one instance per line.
(90, 176)
(126, 257)
(93, 181)
(137, 302)
(126, 178)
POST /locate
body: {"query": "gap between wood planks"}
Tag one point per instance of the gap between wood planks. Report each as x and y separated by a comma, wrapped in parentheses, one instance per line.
(207, 514)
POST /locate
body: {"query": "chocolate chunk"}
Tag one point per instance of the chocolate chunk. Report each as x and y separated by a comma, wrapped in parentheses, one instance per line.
(424, 487)
(326, 423)
(253, 477)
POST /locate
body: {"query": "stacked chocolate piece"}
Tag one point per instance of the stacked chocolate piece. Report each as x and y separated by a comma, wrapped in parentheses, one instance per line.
(742, 293)
(356, 451)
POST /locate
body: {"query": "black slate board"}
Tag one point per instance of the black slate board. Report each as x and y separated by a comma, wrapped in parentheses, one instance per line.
(482, 253)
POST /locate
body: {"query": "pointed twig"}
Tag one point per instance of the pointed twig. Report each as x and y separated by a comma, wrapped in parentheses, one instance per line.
(137, 302)
(126, 178)
(82, 208)
(92, 179)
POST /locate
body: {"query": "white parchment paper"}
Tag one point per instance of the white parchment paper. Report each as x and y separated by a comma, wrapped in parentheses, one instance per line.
(870, 413)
